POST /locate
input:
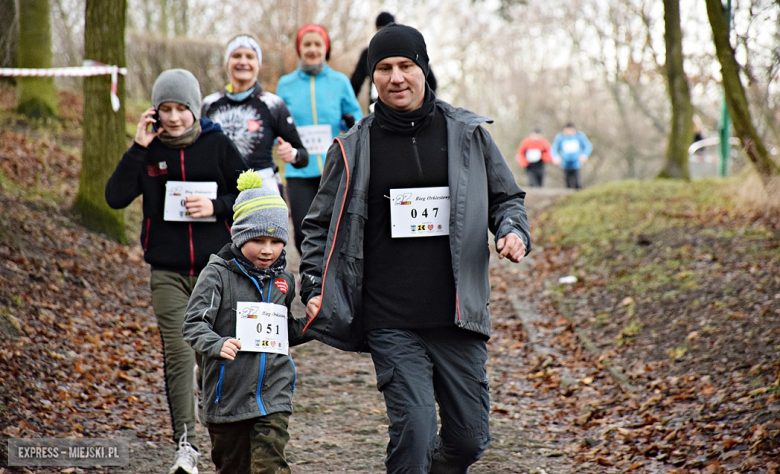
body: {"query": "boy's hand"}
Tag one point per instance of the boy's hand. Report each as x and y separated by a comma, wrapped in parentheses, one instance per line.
(313, 307)
(199, 206)
(229, 349)
(144, 136)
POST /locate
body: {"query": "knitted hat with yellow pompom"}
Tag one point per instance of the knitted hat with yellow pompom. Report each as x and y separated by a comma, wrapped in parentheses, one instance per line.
(258, 211)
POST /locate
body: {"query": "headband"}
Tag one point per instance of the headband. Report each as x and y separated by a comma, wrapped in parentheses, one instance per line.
(309, 28)
(243, 41)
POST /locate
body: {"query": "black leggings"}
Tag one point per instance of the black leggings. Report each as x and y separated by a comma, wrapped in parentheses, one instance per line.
(300, 194)
(573, 179)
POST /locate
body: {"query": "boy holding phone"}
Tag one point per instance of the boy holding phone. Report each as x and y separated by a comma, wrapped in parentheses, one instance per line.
(185, 151)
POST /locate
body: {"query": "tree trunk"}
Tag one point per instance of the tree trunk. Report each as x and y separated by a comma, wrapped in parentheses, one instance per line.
(736, 99)
(37, 96)
(181, 16)
(681, 126)
(162, 26)
(104, 139)
(9, 36)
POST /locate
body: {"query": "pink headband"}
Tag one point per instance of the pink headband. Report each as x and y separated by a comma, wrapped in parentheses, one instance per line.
(309, 28)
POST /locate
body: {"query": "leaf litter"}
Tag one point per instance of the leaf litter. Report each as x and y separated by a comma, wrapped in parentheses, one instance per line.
(692, 327)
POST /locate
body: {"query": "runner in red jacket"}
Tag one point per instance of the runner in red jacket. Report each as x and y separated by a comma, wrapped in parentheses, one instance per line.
(533, 153)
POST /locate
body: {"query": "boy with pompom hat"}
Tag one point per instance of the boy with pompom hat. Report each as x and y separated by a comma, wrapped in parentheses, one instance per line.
(248, 374)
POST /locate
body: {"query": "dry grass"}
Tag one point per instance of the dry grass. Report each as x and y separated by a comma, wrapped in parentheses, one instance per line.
(757, 194)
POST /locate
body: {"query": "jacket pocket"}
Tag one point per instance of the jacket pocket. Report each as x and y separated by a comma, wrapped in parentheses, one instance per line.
(383, 378)
(218, 390)
(357, 213)
(295, 375)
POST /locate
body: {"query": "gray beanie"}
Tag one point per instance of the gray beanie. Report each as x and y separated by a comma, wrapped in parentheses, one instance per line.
(258, 211)
(177, 85)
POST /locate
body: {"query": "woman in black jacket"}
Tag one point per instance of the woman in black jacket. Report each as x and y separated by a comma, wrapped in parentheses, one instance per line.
(253, 118)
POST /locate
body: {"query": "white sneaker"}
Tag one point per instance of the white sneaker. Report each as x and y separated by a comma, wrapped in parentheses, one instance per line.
(186, 457)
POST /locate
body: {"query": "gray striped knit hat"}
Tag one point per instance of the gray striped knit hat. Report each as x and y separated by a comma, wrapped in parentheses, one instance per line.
(258, 211)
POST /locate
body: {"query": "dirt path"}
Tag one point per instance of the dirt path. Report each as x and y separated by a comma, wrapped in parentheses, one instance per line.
(339, 424)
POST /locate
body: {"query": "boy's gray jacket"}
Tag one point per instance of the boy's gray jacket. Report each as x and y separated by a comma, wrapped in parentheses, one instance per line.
(255, 383)
(483, 195)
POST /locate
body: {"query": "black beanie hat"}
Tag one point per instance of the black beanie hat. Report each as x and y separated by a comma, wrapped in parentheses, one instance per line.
(398, 40)
(383, 19)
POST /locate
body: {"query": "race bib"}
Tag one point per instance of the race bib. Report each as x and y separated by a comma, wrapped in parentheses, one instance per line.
(533, 155)
(571, 146)
(420, 212)
(262, 327)
(177, 191)
(316, 138)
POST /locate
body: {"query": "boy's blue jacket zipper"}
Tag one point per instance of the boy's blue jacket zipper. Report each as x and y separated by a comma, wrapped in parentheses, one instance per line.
(259, 392)
(261, 375)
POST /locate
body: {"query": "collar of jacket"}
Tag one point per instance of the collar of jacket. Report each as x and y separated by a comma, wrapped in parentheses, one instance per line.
(457, 114)
(303, 75)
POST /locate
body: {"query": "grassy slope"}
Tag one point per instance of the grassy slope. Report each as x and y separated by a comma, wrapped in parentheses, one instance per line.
(650, 256)
(678, 287)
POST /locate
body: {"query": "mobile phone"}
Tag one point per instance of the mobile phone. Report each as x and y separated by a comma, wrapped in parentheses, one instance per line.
(156, 123)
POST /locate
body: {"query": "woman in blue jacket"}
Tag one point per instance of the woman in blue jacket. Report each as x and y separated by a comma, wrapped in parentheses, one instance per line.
(322, 103)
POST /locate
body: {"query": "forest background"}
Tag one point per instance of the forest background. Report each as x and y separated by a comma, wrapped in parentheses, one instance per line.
(676, 281)
(598, 63)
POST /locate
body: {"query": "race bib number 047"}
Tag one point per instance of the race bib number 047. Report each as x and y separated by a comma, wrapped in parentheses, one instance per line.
(420, 212)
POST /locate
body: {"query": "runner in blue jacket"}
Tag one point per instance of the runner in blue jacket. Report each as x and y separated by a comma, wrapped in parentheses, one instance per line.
(321, 101)
(570, 151)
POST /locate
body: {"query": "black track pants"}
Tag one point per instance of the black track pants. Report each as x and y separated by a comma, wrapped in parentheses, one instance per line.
(418, 368)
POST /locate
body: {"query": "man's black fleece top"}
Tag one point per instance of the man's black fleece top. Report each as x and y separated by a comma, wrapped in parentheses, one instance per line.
(407, 282)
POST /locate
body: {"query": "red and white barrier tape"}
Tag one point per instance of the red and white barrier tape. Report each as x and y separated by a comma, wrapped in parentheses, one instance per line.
(91, 68)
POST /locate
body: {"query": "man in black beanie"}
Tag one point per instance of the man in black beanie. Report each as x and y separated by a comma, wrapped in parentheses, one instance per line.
(395, 256)
(362, 70)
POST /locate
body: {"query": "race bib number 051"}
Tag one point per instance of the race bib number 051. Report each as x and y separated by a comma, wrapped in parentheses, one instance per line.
(262, 327)
(420, 212)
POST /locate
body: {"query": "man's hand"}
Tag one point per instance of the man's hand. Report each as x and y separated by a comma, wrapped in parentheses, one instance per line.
(286, 151)
(199, 206)
(313, 307)
(583, 158)
(511, 246)
(229, 349)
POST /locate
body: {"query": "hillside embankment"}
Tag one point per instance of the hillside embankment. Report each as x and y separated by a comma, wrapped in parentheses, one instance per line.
(662, 354)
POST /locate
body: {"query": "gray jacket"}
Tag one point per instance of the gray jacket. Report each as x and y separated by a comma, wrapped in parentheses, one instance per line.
(483, 196)
(255, 383)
